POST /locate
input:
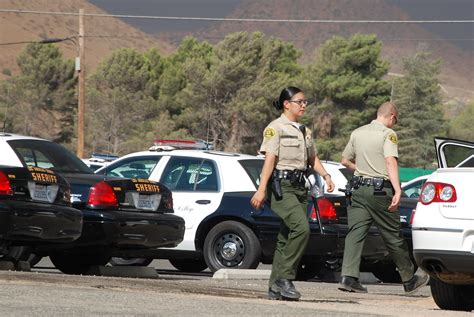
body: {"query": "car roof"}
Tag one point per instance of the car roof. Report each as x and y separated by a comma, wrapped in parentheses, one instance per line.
(211, 154)
(12, 136)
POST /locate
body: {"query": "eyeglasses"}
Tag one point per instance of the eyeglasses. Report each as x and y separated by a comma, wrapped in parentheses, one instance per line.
(300, 102)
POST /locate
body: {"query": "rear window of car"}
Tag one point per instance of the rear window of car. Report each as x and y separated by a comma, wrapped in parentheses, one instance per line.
(347, 173)
(47, 154)
(253, 169)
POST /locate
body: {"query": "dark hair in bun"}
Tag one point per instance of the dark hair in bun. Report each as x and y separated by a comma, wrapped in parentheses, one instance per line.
(286, 94)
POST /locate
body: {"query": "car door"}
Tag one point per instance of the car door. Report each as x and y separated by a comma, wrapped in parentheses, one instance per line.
(196, 187)
(456, 159)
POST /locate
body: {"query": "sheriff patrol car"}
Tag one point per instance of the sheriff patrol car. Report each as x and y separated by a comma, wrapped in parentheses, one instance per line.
(212, 191)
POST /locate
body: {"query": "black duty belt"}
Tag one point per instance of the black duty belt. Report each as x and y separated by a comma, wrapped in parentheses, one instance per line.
(288, 174)
(378, 183)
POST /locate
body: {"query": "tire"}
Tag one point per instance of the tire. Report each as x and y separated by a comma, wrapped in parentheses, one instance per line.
(77, 263)
(189, 265)
(386, 273)
(34, 259)
(307, 271)
(452, 297)
(231, 244)
(115, 261)
(14, 253)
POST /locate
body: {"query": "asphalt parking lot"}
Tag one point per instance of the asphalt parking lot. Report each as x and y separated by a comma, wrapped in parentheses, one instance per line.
(46, 291)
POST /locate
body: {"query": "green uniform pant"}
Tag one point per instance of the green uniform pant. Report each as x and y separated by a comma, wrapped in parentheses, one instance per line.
(365, 210)
(294, 231)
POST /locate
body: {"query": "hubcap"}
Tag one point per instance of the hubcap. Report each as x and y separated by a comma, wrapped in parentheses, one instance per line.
(229, 250)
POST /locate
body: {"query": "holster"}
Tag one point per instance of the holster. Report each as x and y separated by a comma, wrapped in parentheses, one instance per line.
(276, 187)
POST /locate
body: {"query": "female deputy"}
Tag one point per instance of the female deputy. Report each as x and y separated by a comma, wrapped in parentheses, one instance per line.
(289, 150)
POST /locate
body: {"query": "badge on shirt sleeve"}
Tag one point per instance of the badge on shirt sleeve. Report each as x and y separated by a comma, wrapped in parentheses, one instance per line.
(393, 138)
(269, 133)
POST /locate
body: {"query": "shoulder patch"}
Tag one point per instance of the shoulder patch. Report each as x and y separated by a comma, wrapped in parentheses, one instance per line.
(269, 133)
(393, 138)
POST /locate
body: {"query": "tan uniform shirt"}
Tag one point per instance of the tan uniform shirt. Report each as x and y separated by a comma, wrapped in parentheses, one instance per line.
(283, 139)
(368, 146)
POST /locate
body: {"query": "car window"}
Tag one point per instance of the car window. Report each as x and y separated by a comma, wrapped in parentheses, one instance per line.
(47, 154)
(413, 190)
(190, 174)
(348, 173)
(133, 167)
(253, 169)
(457, 155)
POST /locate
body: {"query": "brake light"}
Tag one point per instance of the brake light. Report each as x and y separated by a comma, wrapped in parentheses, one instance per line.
(326, 208)
(433, 192)
(5, 187)
(168, 202)
(412, 217)
(102, 195)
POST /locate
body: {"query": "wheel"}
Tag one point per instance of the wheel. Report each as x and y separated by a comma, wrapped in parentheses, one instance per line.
(386, 273)
(231, 244)
(77, 263)
(309, 270)
(115, 261)
(14, 253)
(452, 297)
(34, 259)
(189, 265)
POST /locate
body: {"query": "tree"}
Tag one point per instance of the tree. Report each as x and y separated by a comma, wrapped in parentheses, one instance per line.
(122, 93)
(460, 127)
(228, 100)
(421, 116)
(41, 99)
(347, 78)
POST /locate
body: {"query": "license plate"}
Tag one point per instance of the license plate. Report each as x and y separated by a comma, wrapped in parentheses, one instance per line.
(147, 202)
(144, 202)
(40, 193)
(45, 193)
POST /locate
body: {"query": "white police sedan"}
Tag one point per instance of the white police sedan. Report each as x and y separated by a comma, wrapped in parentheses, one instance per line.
(212, 191)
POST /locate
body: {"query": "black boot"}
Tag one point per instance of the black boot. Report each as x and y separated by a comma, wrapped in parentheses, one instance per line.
(351, 284)
(415, 283)
(283, 289)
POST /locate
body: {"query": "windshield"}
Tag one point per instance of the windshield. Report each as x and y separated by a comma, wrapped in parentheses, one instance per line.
(47, 154)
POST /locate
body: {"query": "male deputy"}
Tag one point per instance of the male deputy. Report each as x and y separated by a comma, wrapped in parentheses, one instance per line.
(372, 153)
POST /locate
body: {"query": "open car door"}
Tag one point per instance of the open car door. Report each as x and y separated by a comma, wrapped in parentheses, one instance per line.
(454, 153)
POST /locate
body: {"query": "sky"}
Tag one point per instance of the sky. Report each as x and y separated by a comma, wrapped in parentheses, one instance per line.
(461, 35)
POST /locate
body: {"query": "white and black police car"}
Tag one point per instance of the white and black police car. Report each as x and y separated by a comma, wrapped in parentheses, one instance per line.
(212, 191)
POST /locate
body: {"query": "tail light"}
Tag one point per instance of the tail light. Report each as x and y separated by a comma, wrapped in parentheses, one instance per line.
(102, 195)
(326, 208)
(412, 217)
(433, 192)
(5, 187)
(168, 202)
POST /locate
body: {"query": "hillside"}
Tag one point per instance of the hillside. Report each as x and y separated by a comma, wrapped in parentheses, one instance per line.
(102, 35)
(399, 40)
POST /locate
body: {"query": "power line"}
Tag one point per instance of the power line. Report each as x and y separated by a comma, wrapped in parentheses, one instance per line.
(151, 17)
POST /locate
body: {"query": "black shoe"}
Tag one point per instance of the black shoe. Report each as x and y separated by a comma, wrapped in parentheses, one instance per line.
(273, 295)
(284, 289)
(416, 282)
(351, 284)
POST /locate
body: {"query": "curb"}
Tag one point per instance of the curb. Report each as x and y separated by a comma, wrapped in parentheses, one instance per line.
(242, 274)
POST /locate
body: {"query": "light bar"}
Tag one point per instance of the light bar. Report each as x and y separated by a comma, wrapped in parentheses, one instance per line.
(166, 144)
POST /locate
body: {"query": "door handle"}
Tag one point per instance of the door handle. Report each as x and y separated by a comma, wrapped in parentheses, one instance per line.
(203, 202)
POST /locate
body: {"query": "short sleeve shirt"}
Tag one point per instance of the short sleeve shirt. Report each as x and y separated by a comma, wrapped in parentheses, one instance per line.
(368, 146)
(283, 139)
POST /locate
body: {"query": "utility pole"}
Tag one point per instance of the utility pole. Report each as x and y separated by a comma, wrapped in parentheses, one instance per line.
(81, 88)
